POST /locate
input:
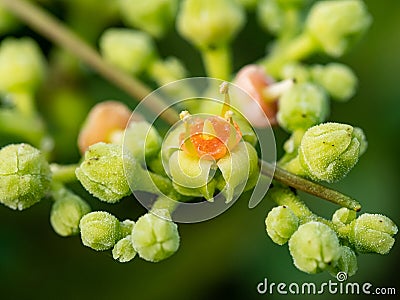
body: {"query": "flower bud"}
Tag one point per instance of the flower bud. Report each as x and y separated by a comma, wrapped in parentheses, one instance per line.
(337, 34)
(296, 71)
(66, 212)
(167, 71)
(373, 233)
(337, 79)
(314, 246)
(99, 230)
(347, 262)
(102, 121)
(281, 223)
(24, 176)
(141, 139)
(271, 16)
(126, 227)
(102, 172)
(123, 250)
(155, 239)
(329, 151)
(253, 79)
(210, 23)
(130, 50)
(359, 134)
(22, 65)
(154, 16)
(343, 216)
(302, 106)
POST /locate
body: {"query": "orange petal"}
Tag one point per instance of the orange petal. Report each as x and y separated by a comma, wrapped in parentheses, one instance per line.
(206, 145)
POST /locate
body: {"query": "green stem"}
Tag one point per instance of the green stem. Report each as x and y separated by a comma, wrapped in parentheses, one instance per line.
(309, 187)
(298, 49)
(293, 166)
(63, 173)
(217, 62)
(291, 25)
(300, 209)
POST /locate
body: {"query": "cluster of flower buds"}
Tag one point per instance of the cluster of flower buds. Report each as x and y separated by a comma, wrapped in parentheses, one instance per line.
(153, 238)
(317, 244)
(215, 149)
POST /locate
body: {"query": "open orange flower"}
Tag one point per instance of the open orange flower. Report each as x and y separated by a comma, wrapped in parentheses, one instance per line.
(210, 138)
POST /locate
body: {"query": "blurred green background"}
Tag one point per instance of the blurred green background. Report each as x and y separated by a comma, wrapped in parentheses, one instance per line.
(227, 257)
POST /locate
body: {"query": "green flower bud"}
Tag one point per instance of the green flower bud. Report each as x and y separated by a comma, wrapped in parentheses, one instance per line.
(66, 212)
(131, 50)
(24, 176)
(329, 151)
(123, 250)
(271, 16)
(210, 23)
(168, 70)
(295, 71)
(100, 230)
(126, 227)
(141, 139)
(22, 65)
(102, 172)
(337, 79)
(314, 246)
(155, 239)
(359, 134)
(302, 106)
(373, 233)
(347, 262)
(337, 34)
(343, 216)
(281, 223)
(154, 16)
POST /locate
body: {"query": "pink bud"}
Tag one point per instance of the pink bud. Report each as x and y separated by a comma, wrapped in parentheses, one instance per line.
(104, 119)
(253, 79)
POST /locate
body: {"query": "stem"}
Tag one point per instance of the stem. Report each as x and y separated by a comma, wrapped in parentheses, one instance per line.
(291, 25)
(297, 49)
(54, 30)
(301, 210)
(217, 62)
(309, 186)
(63, 173)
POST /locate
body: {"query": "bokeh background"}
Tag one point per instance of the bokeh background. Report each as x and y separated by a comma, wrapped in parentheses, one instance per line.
(224, 258)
